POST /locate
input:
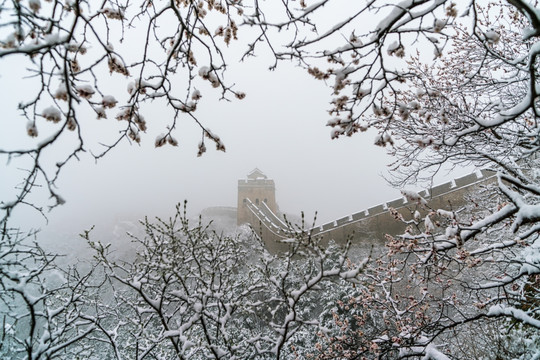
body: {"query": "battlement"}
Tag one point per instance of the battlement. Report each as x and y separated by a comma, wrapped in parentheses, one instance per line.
(442, 190)
(368, 225)
(257, 189)
(256, 182)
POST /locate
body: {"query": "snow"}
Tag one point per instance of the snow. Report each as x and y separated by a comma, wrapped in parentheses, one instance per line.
(361, 92)
(336, 132)
(204, 71)
(392, 47)
(433, 354)
(494, 218)
(50, 41)
(395, 48)
(219, 351)
(353, 273)
(111, 13)
(445, 213)
(500, 310)
(85, 91)
(413, 196)
(428, 224)
(310, 8)
(100, 111)
(171, 140)
(52, 113)
(395, 14)
(340, 76)
(439, 24)
(526, 214)
(531, 255)
(171, 333)
(527, 33)
(383, 139)
(109, 101)
(492, 36)
(31, 129)
(35, 5)
(187, 344)
(61, 92)
(500, 245)
(451, 231)
(161, 140)
(196, 95)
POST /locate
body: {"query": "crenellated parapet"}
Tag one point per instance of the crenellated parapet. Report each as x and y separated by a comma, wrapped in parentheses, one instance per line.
(257, 189)
(369, 226)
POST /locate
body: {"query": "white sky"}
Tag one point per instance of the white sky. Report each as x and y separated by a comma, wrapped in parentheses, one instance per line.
(279, 128)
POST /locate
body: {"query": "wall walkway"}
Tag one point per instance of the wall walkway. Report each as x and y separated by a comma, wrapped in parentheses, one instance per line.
(369, 226)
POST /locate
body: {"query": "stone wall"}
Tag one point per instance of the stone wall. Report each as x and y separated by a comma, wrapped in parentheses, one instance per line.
(258, 191)
(368, 227)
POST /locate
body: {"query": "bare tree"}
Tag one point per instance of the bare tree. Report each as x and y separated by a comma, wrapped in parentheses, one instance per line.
(42, 305)
(472, 100)
(476, 104)
(192, 293)
(426, 298)
(75, 53)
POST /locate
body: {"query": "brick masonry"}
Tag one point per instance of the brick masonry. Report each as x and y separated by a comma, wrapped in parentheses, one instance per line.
(366, 227)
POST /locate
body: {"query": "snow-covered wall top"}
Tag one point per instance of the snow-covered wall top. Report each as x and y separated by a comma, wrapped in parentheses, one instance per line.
(276, 228)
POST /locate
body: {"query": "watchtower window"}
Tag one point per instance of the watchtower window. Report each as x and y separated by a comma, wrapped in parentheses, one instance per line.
(256, 201)
(265, 201)
(245, 200)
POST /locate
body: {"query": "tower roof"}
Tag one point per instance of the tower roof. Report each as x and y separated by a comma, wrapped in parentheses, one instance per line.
(256, 174)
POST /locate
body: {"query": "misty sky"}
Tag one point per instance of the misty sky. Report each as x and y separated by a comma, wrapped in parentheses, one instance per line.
(279, 128)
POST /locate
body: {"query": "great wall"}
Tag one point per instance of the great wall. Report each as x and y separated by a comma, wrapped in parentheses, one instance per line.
(257, 206)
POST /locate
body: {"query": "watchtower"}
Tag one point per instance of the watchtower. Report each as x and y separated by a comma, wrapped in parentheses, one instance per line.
(257, 188)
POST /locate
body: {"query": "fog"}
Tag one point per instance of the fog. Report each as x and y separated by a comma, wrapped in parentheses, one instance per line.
(279, 128)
